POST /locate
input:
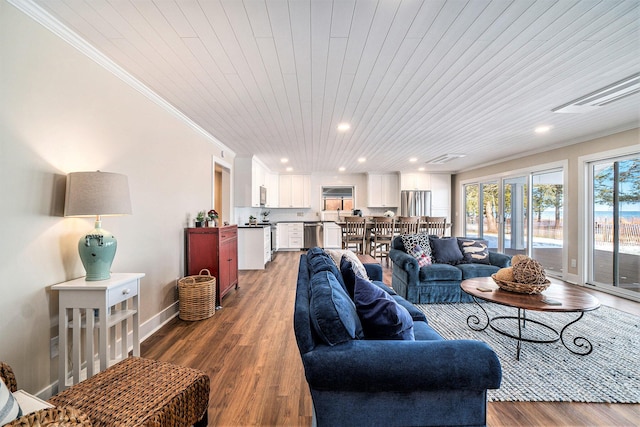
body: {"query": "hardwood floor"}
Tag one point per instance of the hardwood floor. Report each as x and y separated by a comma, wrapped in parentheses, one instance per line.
(249, 351)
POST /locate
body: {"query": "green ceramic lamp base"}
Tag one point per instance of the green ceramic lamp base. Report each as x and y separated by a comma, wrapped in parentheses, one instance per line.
(97, 250)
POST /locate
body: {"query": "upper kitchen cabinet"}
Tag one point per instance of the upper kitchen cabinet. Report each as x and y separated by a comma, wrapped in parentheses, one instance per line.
(415, 181)
(383, 190)
(273, 189)
(250, 175)
(294, 191)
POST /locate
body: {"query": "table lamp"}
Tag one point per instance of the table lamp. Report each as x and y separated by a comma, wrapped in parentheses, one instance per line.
(97, 194)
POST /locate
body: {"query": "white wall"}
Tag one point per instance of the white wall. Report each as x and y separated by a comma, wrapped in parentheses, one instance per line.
(61, 112)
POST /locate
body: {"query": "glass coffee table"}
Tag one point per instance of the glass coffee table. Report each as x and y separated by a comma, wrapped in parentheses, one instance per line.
(558, 297)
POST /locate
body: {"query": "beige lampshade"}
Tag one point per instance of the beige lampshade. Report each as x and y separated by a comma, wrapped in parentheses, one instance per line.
(97, 193)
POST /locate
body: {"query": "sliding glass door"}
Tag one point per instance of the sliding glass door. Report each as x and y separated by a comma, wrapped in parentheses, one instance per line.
(515, 196)
(520, 214)
(547, 197)
(614, 215)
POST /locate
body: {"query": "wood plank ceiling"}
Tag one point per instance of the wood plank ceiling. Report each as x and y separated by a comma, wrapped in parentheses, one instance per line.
(414, 78)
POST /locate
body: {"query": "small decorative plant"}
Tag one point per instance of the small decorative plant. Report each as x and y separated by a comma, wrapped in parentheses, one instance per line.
(265, 214)
(212, 214)
(200, 218)
(252, 219)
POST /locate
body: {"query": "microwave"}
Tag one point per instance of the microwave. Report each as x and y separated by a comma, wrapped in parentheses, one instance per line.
(263, 195)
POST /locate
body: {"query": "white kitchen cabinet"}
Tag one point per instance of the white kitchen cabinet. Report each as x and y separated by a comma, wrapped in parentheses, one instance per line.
(383, 190)
(441, 195)
(332, 235)
(415, 181)
(295, 191)
(272, 182)
(254, 247)
(250, 174)
(290, 235)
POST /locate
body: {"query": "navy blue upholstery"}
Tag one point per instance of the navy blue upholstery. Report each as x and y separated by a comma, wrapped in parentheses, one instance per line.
(427, 382)
(437, 283)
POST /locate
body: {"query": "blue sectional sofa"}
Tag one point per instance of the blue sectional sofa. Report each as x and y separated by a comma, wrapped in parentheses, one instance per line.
(357, 381)
(437, 282)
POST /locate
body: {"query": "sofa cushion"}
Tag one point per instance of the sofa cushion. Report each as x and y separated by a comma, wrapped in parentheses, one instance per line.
(445, 250)
(332, 312)
(423, 332)
(382, 317)
(9, 408)
(469, 271)
(474, 250)
(439, 272)
(318, 261)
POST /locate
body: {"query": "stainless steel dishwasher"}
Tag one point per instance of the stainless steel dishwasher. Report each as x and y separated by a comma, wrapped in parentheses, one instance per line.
(312, 234)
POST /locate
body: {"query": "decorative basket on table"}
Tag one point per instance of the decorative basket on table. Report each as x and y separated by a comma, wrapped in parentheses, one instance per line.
(525, 276)
(197, 295)
(522, 288)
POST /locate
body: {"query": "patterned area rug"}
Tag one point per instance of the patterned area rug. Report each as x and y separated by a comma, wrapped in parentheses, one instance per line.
(550, 372)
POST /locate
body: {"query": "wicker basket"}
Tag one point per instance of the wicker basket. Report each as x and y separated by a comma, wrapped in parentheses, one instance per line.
(521, 288)
(197, 296)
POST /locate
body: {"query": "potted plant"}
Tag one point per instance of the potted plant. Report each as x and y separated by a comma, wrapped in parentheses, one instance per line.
(213, 218)
(265, 215)
(252, 220)
(200, 219)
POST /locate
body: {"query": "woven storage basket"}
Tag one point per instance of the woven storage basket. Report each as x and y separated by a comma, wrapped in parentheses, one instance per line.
(521, 288)
(197, 296)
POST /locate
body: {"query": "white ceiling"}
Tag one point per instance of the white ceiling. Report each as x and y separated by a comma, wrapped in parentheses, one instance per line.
(414, 78)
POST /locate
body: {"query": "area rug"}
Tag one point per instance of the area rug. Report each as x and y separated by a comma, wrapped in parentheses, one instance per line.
(549, 372)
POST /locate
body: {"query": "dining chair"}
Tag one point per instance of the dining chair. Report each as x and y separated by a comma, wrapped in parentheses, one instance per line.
(407, 224)
(434, 225)
(355, 233)
(382, 232)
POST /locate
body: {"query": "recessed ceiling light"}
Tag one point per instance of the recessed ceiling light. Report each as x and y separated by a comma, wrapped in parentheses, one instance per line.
(413, 159)
(342, 169)
(542, 129)
(284, 160)
(421, 169)
(343, 127)
(362, 159)
(289, 169)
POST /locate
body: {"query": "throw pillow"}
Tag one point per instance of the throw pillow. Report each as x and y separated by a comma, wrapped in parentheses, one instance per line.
(9, 409)
(381, 316)
(332, 312)
(474, 251)
(446, 250)
(411, 240)
(357, 265)
(419, 254)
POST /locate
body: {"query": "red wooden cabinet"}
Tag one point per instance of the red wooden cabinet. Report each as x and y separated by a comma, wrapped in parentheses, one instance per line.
(216, 249)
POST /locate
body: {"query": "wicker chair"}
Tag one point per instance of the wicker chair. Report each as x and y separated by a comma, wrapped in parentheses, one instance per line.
(62, 416)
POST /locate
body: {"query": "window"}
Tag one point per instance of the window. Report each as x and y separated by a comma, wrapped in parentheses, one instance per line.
(337, 198)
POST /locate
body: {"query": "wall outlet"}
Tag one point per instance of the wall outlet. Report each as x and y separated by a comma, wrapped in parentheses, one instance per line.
(54, 347)
(574, 263)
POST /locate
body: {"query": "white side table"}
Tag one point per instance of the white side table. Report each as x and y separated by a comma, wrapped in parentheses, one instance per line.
(100, 305)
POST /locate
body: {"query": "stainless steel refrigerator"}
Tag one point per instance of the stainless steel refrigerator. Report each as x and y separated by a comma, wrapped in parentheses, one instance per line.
(415, 203)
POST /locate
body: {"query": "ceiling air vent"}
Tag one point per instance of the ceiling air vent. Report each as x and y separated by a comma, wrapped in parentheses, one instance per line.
(602, 97)
(444, 159)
